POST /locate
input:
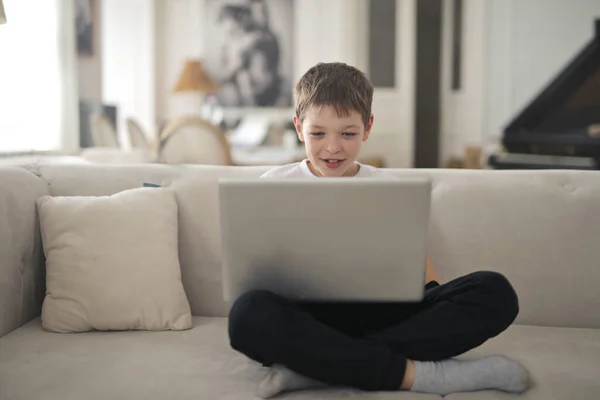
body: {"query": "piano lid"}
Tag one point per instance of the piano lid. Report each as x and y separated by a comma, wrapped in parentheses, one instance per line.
(570, 103)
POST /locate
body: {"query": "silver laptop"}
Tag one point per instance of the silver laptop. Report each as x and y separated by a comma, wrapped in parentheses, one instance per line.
(328, 239)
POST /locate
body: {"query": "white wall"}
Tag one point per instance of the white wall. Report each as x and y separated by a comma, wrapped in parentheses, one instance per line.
(331, 30)
(529, 42)
(90, 67)
(462, 111)
(511, 51)
(128, 61)
(179, 37)
(394, 108)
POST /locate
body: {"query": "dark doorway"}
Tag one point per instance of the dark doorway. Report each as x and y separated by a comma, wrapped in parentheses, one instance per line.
(427, 90)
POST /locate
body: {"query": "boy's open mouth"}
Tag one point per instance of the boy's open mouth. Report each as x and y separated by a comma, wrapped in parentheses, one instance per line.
(332, 162)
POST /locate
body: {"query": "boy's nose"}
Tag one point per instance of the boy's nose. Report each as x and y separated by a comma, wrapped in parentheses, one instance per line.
(334, 146)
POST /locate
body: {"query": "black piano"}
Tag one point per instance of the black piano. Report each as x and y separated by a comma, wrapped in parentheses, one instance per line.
(560, 128)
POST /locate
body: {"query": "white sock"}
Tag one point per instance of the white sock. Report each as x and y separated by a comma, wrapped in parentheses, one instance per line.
(451, 376)
(280, 379)
(439, 377)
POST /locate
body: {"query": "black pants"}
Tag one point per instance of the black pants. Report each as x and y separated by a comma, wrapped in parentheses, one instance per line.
(366, 346)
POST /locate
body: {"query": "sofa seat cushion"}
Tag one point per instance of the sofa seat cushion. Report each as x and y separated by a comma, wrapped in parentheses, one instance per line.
(199, 364)
(564, 363)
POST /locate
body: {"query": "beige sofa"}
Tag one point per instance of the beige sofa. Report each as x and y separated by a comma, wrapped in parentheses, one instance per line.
(541, 229)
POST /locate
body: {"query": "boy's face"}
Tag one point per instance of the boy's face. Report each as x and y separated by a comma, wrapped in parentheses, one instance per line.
(332, 142)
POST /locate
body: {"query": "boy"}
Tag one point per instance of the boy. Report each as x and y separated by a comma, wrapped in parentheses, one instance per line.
(388, 346)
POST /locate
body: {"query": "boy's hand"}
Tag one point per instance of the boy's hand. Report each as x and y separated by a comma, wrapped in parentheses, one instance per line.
(430, 274)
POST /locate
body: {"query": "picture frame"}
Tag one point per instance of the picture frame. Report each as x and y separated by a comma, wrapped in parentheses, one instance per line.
(248, 51)
(84, 26)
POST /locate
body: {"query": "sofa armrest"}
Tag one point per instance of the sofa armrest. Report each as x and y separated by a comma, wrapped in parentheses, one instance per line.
(22, 272)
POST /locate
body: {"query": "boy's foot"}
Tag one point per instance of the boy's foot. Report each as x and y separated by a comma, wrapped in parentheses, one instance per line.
(450, 376)
(280, 379)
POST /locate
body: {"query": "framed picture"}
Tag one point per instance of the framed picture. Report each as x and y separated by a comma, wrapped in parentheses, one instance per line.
(84, 25)
(249, 51)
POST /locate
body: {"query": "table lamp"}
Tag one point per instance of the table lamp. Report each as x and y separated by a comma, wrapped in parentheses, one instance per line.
(195, 79)
(2, 13)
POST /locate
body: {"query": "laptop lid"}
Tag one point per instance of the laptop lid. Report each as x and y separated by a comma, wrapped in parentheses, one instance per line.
(328, 239)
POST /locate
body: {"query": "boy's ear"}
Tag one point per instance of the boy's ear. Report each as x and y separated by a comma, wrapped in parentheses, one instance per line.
(298, 125)
(368, 128)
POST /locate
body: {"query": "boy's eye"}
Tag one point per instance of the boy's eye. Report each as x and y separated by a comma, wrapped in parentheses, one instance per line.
(317, 133)
(349, 134)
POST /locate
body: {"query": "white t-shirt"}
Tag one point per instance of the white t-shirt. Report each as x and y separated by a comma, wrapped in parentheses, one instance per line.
(301, 170)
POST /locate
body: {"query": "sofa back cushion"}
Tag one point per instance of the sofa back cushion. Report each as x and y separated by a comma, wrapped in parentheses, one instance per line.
(21, 255)
(540, 229)
(198, 213)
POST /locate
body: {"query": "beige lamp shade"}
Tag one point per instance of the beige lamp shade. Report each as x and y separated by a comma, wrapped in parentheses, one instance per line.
(195, 79)
(2, 13)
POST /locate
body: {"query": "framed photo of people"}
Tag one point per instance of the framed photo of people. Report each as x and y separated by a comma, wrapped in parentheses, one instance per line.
(248, 50)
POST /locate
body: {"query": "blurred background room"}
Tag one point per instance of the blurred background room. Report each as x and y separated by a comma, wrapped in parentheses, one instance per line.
(459, 83)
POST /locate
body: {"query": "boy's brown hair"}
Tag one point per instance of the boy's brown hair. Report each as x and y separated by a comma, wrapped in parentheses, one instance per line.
(334, 84)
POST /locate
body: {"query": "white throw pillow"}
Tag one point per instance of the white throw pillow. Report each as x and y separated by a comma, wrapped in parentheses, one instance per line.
(112, 262)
